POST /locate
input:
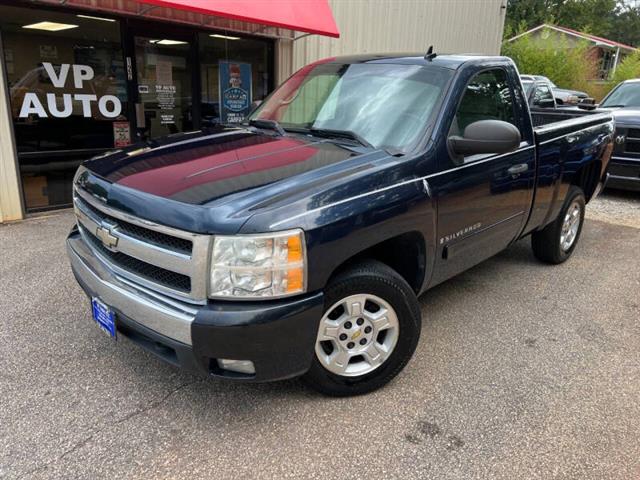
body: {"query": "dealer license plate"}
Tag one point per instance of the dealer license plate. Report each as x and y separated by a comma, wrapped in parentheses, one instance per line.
(104, 317)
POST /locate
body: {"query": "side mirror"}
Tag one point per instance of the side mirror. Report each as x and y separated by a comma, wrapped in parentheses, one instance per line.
(545, 103)
(486, 136)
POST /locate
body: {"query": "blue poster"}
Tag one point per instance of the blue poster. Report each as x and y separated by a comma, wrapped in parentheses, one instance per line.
(235, 91)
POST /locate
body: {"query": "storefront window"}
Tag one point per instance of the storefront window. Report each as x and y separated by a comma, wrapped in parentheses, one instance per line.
(69, 85)
(68, 96)
(235, 72)
(164, 86)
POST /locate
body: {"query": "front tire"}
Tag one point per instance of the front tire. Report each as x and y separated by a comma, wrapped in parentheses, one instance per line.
(556, 242)
(368, 332)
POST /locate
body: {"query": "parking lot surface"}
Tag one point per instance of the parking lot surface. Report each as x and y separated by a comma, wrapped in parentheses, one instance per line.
(523, 370)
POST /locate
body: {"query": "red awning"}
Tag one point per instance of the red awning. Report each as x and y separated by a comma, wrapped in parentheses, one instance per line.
(310, 16)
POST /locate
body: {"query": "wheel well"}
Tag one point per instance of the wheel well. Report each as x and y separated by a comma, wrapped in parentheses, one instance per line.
(404, 253)
(587, 178)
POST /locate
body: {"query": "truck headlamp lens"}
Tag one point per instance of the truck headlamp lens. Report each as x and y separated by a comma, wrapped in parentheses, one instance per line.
(258, 266)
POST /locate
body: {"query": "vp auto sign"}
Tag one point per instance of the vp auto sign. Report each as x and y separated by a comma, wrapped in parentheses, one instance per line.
(108, 105)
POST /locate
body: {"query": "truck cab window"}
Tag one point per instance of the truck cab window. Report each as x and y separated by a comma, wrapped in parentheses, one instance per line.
(487, 97)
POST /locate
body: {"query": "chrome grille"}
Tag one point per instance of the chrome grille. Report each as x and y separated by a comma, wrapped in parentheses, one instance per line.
(168, 260)
(151, 272)
(634, 133)
(144, 234)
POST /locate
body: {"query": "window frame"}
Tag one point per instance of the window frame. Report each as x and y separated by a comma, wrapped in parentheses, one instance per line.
(459, 160)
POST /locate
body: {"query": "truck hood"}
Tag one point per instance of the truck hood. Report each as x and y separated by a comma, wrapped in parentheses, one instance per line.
(629, 116)
(198, 168)
(213, 182)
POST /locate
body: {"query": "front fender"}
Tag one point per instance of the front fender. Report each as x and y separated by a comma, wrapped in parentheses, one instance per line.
(339, 231)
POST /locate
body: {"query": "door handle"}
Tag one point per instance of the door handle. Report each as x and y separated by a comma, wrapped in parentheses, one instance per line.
(518, 169)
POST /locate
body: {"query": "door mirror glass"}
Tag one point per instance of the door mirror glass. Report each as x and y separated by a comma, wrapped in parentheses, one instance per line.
(543, 97)
(486, 136)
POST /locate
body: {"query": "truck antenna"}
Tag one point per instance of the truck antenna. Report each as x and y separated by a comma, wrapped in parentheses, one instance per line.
(430, 55)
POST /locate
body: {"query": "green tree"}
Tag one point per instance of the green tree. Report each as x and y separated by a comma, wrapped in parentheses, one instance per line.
(628, 68)
(568, 66)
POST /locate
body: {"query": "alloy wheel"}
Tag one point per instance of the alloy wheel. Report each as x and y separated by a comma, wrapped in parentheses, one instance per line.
(357, 334)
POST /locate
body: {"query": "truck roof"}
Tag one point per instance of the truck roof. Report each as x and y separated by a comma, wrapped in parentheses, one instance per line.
(453, 61)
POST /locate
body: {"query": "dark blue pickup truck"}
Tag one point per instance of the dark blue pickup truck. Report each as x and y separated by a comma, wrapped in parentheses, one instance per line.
(297, 244)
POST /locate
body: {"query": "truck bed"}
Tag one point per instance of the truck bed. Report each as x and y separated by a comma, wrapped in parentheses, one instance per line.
(550, 125)
(563, 146)
(544, 116)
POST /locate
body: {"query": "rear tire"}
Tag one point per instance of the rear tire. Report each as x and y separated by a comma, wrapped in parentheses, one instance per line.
(368, 332)
(556, 242)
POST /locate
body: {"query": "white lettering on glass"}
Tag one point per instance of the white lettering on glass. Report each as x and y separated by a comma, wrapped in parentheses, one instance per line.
(109, 106)
(81, 73)
(86, 100)
(31, 105)
(57, 80)
(53, 105)
(116, 106)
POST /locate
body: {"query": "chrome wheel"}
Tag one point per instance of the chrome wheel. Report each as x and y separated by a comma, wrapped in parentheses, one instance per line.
(570, 226)
(356, 335)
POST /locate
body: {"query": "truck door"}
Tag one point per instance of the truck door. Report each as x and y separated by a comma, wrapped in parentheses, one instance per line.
(482, 200)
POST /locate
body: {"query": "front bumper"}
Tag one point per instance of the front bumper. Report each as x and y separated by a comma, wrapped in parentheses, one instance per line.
(277, 336)
(624, 173)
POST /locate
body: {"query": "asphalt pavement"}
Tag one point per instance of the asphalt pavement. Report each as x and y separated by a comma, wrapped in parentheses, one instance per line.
(523, 371)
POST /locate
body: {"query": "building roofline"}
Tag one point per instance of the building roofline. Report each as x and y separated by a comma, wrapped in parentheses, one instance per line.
(569, 31)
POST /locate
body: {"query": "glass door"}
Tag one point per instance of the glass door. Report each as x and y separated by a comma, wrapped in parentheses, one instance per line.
(163, 78)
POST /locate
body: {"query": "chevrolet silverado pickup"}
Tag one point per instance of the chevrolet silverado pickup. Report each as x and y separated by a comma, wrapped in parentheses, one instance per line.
(297, 243)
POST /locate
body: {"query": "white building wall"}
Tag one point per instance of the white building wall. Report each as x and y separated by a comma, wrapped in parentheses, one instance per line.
(10, 197)
(381, 26)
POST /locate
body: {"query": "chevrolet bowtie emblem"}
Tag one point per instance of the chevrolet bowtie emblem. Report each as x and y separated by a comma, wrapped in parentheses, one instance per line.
(108, 239)
(356, 334)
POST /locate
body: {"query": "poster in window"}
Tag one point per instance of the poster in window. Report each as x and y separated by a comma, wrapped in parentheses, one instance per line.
(235, 91)
(121, 134)
(164, 72)
(48, 52)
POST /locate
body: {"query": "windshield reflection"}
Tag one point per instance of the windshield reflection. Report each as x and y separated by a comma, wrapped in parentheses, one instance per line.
(387, 105)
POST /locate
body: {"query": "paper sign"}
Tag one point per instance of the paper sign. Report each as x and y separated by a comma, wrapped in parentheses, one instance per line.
(164, 73)
(48, 52)
(121, 134)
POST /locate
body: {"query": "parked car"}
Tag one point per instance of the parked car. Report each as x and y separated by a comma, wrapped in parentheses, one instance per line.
(298, 244)
(563, 96)
(624, 169)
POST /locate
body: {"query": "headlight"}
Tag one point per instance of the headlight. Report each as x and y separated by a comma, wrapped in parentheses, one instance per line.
(572, 99)
(258, 266)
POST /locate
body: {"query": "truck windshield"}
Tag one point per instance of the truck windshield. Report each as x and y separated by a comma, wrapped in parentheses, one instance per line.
(626, 95)
(386, 105)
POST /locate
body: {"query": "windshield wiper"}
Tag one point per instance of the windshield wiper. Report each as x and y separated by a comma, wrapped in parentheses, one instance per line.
(269, 124)
(351, 135)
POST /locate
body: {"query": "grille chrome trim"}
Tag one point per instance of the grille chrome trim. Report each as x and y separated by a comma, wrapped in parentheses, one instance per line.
(162, 314)
(195, 265)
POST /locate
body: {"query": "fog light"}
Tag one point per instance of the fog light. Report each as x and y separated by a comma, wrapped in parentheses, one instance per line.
(239, 366)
